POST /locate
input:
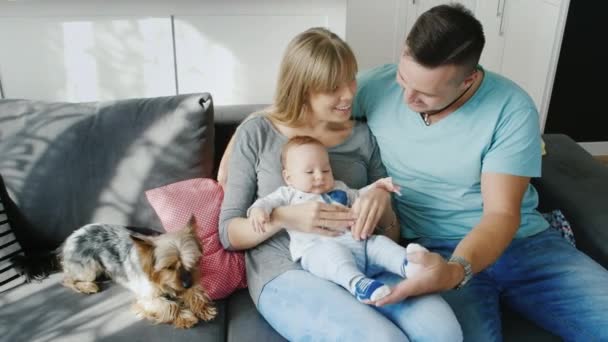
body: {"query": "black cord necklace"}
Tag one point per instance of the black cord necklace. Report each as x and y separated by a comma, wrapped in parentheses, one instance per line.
(426, 116)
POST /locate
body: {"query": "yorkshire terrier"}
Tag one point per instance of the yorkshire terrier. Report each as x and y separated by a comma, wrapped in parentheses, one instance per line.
(162, 270)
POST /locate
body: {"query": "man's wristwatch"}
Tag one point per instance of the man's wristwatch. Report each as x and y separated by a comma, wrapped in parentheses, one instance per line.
(468, 270)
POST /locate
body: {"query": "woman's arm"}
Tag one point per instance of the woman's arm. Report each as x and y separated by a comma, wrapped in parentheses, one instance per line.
(240, 190)
(242, 236)
(310, 217)
(222, 171)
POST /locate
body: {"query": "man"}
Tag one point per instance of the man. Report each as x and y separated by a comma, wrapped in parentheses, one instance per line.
(463, 143)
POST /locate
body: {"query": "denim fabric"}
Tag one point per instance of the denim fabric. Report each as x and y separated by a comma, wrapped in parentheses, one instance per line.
(543, 278)
(303, 307)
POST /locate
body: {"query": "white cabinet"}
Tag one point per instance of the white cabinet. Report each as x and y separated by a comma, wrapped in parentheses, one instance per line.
(522, 43)
(415, 8)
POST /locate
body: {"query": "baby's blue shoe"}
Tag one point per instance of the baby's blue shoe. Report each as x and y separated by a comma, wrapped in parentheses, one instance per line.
(368, 289)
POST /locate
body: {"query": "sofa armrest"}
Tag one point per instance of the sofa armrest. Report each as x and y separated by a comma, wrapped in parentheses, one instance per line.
(577, 184)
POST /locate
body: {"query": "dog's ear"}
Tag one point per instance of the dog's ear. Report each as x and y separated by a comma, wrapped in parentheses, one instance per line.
(141, 239)
(142, 243)
(145, 248)
(191, 225)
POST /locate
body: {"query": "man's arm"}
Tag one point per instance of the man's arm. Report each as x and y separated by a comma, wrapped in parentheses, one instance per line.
(502, 195)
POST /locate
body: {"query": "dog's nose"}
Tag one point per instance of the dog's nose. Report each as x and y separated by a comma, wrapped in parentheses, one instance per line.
(186, 278)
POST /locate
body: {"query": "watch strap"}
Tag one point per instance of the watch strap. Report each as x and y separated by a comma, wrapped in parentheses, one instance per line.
(468, 270)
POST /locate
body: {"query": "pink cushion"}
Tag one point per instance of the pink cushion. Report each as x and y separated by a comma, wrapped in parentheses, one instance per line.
(222, 271)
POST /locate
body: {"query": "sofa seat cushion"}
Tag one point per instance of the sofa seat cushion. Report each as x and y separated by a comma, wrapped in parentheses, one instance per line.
(69, 164)
(245, 323)
(577, 184)
(48, 311)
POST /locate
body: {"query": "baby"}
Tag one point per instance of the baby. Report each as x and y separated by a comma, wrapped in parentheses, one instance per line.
(308, 175)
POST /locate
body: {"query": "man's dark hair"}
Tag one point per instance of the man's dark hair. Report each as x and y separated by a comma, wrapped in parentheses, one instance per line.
(446, 35)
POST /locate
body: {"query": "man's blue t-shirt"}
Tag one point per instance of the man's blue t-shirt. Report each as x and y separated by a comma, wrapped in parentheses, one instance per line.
(439, 167)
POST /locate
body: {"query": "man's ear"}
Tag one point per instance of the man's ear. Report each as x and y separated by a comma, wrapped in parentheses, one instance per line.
(470, 79)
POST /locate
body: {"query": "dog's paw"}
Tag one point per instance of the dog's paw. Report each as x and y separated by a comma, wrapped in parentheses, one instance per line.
(86, 287)
(207, 312)
(186, 319)
(200, 304)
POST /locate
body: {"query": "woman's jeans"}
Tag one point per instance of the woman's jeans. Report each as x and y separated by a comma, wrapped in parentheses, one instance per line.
(543, 278)
(303, 307)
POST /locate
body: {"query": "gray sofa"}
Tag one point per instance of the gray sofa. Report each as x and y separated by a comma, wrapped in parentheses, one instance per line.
(65, 165)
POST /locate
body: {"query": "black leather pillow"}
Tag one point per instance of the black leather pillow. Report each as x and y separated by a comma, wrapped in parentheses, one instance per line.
(69, 164)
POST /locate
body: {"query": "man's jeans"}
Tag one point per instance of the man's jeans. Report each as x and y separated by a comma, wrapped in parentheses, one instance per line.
(543, 278)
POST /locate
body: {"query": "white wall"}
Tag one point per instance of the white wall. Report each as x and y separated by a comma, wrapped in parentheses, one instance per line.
(68, 50)
(375, 30)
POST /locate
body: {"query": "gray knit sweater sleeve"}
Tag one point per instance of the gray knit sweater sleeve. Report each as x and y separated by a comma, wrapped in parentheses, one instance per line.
(254, 142)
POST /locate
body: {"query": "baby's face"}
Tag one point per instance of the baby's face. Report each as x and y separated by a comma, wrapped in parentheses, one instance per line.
(307, 169)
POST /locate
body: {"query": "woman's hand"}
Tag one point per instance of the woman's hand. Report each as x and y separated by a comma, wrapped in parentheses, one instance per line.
(368, 209)
(314, 217)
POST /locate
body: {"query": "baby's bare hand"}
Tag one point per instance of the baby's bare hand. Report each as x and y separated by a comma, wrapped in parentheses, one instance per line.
(258, 218)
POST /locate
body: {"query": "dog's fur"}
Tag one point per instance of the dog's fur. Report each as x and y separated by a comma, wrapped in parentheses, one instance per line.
(162, 271)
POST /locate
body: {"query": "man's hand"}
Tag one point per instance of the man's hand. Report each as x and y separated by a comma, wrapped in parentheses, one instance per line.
(436, 275)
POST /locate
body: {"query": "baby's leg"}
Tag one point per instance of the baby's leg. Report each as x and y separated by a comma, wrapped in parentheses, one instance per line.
(332, 261)
(411, 268)
(383, 254)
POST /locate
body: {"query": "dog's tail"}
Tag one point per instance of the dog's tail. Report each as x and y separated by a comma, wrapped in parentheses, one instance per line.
(37, 266)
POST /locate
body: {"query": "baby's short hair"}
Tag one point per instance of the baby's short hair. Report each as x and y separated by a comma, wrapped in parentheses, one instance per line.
(298, 140)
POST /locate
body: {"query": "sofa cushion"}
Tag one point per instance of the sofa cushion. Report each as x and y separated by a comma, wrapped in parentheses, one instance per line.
(48, 311)
(245, 323)
(577, 184)
(69, 164)
(222, 271)
(9, 247)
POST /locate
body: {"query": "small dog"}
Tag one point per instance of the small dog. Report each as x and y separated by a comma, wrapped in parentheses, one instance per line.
(160, 270)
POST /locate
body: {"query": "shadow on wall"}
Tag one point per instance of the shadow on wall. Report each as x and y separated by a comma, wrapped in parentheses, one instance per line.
(66, 165)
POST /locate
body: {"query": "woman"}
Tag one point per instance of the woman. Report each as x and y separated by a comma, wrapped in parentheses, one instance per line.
(314, 96)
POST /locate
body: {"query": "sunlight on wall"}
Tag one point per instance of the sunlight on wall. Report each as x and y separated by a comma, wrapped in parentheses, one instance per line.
(118, 58)
(81, 69)
(235, 58)
(209, 66)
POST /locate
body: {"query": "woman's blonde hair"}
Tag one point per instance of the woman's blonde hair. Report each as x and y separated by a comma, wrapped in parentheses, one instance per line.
(316, 60)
